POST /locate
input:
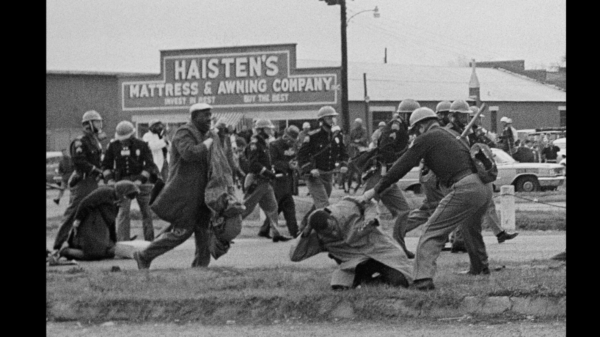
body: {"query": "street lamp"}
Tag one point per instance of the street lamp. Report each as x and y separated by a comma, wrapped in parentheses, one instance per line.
(375, 14)
(344, 22)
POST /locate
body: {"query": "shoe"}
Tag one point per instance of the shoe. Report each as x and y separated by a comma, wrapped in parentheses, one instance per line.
(409, 254)
(424, 284)
(56, 201)
(484, 271)
(446, 249)
(503, 236)
(281, 238)
(560, 256)
(264, 235)
(133, 238)
(140, 262)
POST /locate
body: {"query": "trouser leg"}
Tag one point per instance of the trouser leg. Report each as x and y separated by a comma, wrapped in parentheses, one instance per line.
(464, 201)
(288, 206)
(181, 231)
(320, 189)
(268, 204)
(473, 240)
(201, 238)
(491, 218)
(364, 274)
(123, 221)
(143, 200)
(78, 192)
(164, 172)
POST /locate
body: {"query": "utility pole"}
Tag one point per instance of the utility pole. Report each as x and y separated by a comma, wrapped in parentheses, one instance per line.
(345, 109)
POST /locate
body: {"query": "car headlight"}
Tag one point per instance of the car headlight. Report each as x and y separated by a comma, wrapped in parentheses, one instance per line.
(560, 171)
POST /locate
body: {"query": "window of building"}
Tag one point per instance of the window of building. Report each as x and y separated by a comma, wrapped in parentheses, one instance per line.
(562, 110)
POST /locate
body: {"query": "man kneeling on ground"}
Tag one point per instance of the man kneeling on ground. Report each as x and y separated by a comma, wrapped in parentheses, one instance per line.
(93, 236)
(364, 253)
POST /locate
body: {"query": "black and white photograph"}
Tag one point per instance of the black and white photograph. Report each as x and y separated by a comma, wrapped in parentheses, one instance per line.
(333, 168)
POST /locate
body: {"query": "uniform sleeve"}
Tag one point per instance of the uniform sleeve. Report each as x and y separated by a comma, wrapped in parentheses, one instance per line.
(108, 162)
(404, 164)
(186, 145)
(304, 152)
(253, 156)
(80, 161)
(278, 159)
(93, 200)
(343, 155)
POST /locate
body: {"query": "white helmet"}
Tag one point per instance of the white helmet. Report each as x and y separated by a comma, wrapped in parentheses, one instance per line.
(504, 119)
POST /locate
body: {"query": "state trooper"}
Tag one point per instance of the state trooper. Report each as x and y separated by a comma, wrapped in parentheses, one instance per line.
(320, 151)
(283, 157)
(86, 152)
(129, 158)
(392, 143)
(260, 174)
(464, 204)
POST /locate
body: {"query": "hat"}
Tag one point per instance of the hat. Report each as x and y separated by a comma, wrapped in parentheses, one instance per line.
(504, 119)
(199, 107)
(124, 188)
(381, 123)
(306, 125)
(292, 131)
(154, 122)
(358, 120)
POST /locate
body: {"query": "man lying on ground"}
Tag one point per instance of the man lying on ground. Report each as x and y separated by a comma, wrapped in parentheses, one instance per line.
(93, 236)
(363, 252)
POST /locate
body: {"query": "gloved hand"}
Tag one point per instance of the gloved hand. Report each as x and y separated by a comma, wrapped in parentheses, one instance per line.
(314, 172)
(76, 226)
(368, 195)
(111, 182)
(343, 169)
(208, 142)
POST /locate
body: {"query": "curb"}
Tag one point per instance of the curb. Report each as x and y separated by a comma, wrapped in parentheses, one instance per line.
(273, 310)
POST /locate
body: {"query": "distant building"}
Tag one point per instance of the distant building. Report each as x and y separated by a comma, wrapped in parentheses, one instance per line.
(246, 83)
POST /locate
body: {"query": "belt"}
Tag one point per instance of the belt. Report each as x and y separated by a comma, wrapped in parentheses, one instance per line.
(458, 176)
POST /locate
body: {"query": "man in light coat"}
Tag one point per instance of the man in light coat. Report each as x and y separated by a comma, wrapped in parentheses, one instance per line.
(350, 234)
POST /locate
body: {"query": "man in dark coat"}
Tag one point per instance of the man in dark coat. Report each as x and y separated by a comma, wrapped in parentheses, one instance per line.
(93, 236)
(181, 202)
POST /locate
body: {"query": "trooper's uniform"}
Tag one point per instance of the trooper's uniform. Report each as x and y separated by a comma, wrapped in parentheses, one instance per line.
(281, 156)
(131, 159)
(258, 188)
(317, 140)
(464, 205)
(86, 151)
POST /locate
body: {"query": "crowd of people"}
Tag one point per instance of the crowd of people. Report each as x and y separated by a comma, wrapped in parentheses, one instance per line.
(172, 178)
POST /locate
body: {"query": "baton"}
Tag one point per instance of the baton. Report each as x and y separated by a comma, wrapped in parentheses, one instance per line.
(468, 127)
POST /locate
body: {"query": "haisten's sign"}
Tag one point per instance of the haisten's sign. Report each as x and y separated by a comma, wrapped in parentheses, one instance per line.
(231, 77)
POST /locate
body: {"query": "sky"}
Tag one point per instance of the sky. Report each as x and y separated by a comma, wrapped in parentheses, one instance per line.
(128, 35)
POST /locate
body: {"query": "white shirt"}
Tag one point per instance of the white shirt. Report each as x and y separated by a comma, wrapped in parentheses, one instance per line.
(156, 145)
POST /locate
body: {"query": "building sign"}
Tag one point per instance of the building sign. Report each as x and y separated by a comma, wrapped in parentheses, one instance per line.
(238, 77)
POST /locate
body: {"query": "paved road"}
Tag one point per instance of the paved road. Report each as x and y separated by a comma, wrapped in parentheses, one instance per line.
(256, 253)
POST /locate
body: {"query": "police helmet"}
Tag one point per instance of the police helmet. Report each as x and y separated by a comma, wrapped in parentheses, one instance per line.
(326, 111)
(420, 115)
(124, 130)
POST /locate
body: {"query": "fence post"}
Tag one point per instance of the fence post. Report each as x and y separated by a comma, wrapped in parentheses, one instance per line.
(507, 207)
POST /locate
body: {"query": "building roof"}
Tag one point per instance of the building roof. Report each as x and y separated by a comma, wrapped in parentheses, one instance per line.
(94, 73)
(394, 82)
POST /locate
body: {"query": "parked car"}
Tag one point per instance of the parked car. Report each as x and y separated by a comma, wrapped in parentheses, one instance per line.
(526, 177)
(52, 160)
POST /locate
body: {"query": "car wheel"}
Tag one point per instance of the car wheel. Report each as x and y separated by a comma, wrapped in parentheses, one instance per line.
(527, 184)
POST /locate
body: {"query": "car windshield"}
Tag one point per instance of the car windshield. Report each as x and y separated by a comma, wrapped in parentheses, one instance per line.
(502, 157)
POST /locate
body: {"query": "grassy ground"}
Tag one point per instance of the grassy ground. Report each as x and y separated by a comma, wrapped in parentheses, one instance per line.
(301, 293)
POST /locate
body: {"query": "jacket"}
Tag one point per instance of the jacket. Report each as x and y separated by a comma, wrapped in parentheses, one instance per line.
(351, 244)
(315, 142)
(182, 197)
